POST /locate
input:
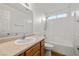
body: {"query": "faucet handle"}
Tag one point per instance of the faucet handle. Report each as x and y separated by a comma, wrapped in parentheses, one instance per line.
(8, 33)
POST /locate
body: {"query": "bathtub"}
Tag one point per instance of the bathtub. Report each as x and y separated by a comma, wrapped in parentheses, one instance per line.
(63, 48)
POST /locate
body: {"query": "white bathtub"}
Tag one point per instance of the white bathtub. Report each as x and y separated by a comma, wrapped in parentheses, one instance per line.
(63, 48)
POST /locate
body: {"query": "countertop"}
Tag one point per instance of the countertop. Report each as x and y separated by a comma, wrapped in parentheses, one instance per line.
(11, 49)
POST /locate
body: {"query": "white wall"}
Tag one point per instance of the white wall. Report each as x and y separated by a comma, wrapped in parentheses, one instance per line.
(61, 32)
(39, 11)
(16, 20)
(61, 35)
(75, 9)
(38, 22)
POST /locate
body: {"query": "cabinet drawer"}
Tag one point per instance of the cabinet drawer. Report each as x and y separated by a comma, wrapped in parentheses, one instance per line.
(37, 53)
(42, 43)
(29, 52)
(33, 50)
(36, 47)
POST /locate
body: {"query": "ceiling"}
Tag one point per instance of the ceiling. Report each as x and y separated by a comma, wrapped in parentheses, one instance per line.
(47, 7)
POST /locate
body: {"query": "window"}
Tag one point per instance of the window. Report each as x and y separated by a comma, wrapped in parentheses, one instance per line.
(61, 15)
(51, 17)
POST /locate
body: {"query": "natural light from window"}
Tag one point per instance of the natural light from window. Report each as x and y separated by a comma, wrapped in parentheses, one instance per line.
(51, 17)
(62, 15)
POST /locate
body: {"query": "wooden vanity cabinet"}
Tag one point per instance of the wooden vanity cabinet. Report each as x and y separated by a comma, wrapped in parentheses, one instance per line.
(35, 50)
(37, 53)
(42, 48)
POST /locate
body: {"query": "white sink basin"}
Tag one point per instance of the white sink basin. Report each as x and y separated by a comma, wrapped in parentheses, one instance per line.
(24, 41)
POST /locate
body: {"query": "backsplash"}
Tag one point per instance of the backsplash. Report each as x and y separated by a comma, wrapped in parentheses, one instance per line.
(9, 38)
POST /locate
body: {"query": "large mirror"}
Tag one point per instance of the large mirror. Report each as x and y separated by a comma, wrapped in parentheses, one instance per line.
(15, 19)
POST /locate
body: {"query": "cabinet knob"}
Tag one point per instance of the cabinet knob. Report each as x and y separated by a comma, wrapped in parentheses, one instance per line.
(77, 48)
(77, 20)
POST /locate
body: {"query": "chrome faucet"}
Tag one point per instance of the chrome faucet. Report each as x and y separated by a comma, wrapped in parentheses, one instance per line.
(24, 36)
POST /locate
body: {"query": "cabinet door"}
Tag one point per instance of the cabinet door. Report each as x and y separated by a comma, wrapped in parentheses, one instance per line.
(29, 52)
(37, 53)
(42, 51)
(36, 48)
(33, 50)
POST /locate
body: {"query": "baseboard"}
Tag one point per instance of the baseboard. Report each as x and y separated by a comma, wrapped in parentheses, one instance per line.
(54, 53)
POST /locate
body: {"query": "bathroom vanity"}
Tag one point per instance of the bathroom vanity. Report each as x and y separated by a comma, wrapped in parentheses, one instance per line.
(35, 50)
(9, 48)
